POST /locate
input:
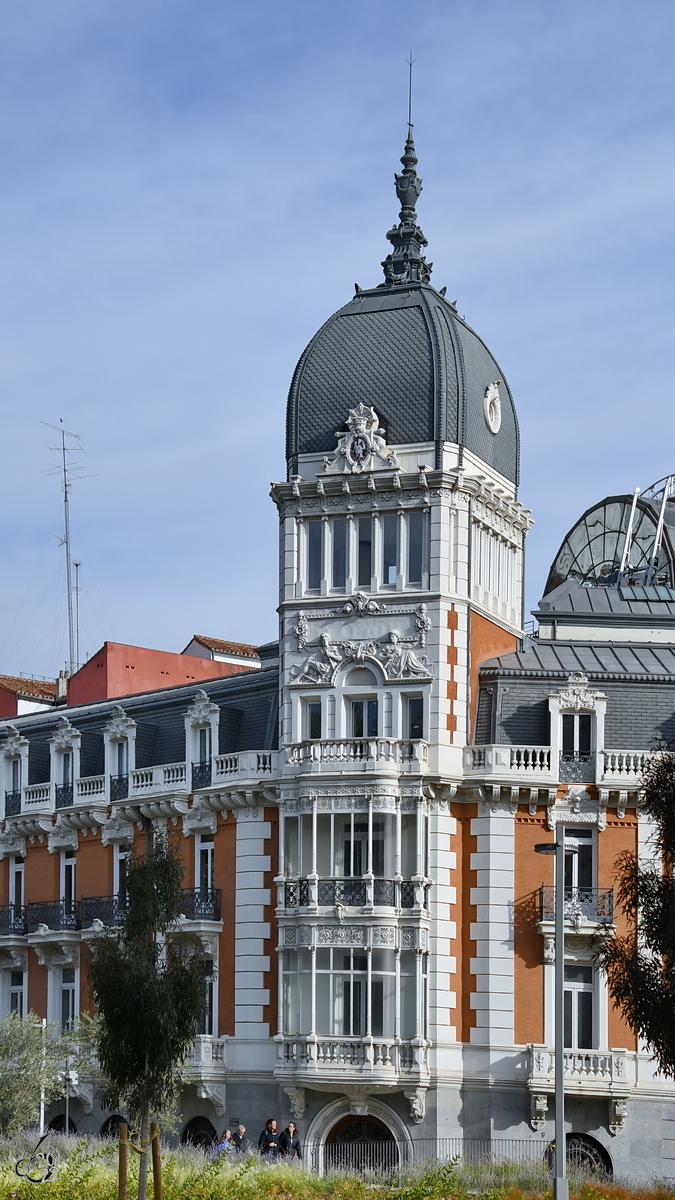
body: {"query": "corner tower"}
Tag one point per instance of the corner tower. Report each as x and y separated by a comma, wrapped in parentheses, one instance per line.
(401, 563)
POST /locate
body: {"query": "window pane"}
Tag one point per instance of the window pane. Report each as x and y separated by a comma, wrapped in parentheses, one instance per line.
(585, 1032)
(568, 733)
(339, 552)
(415, 717)
(357, 719)
(389, 547)
(408, 844)
(306, 834)
(365, 551)
(407, 1006)
(377, 1007)
(372, 718)
(585, 867)
(314, 541)
(323, 1022)
(584, 733)
(323, 864)
(291, 845)
(568, 1020)
(415, 546)
(315, 721)
(579, 974)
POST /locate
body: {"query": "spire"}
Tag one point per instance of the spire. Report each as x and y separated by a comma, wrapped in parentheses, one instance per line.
(406, 264)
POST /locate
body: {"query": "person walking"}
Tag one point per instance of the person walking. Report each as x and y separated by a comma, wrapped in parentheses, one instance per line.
(268, 1142)
(239, 1139)
(289, 1142)
(226, 1144)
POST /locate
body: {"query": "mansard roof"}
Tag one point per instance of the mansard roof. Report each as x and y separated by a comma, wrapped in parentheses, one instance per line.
(620, 661)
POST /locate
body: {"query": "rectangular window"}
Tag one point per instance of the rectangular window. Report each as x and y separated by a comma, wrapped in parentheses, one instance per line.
(389, 548)
(314, 711)
(16, 882)
(16, 775)
(365, 551)
(408, 994)
(16, 993)
(355, 849)
(415, 718)
(67, 769)
(204, 744)
(207, 1020)
(123, 757)
(580, 867)
(579, 1007)
(122, 854)
(415, 547)
(206, 862)
(364, 718)
(576, 734)
(290, 847)
(68, 881)
(339, 552)
(67, 997)
(408, 845)
(314, 552)
(378, 848)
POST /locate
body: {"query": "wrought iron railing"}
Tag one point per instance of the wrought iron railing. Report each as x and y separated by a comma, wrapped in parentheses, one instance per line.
(595, 904)
(201, 775)
(201, 903)
(55, 914)
(119, 787)
(577, 768)
(12, 919)
(12, 803)
(352, 893)
(64, 795)
(109, 910)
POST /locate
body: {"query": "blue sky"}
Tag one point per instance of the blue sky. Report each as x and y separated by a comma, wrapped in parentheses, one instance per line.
(190, 188)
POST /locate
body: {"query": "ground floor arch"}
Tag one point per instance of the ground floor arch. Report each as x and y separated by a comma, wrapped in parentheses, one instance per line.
(366, 1135)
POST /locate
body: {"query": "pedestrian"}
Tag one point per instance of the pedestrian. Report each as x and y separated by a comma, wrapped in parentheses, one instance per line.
(239, 1139)
(226, 1144)
(268, 1142)
(289, 1142)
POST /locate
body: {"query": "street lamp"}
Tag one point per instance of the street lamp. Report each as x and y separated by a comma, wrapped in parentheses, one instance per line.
(560, 1182)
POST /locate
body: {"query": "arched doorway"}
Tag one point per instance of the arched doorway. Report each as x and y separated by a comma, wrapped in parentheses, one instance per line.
(58, 1125)
(199, 1132)
(361, 1143)
(111, 1126)
(584, 1153)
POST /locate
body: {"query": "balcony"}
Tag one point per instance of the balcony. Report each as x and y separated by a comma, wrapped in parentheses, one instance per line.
(12, 920)
(587, 1072)
(119, 787)
(12, 803)
(352, 893)
(581, 905)
(527, 765)
(576, 768)
(201, 775)
(623, 768)
(197, 904)
(349, 1059)
(377, 755)
(64, 795)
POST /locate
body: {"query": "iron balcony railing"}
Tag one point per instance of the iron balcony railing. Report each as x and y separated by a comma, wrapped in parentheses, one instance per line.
(352, 893)
(12, 919)
(201, 775)
(196, 904)
(12, 803)
(64, 795)
(119, 787)
(577, 768)
(595, 904)
(55, 914)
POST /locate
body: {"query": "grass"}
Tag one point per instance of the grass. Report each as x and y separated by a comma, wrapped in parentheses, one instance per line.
(88, 1168)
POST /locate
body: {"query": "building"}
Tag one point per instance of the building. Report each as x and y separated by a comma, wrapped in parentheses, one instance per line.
(119, 670)
(19, 695)
(359, 814)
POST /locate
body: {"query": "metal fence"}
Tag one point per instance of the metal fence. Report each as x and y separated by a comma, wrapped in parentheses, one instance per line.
(387, 1157)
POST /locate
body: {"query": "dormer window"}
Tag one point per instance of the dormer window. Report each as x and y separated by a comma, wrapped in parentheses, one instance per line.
(64, 777)
(13, 792)
(119, 779)
(201, 764)
(576, 736)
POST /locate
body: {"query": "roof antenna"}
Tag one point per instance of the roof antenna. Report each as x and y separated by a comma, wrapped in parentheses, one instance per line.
(65, 469)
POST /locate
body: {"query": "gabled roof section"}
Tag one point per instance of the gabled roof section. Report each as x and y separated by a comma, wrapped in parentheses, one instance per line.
(243, 649)
(34, 689)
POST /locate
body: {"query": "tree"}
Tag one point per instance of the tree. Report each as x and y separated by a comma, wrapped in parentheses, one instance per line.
(640, 965)
(147, 980)
(31, 1065)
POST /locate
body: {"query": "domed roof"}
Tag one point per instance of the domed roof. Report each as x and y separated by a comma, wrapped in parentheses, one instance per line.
(403, 348)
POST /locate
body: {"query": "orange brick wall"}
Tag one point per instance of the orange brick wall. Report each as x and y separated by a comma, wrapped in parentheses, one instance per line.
(225, 864)
(530, 871)
(619, 835)
(485, 641)
(271, 977)
(462, 912)
(452, 659)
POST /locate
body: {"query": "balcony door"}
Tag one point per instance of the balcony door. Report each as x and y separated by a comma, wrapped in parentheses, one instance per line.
(579, 1007)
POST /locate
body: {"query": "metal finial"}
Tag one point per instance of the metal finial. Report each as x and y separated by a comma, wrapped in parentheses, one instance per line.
(407, 263)
(410, 66)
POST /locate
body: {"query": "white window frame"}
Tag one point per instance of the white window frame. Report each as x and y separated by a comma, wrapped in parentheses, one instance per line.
(204, 845)
(16, 868)
(68, 875)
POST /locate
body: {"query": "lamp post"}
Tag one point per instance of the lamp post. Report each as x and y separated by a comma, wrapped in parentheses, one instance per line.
(560, 1182)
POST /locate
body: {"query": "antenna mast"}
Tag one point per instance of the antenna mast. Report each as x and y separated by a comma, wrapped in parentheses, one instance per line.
(64, 469)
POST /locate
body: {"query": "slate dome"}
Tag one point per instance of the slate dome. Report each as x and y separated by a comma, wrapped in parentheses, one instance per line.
(402, 348)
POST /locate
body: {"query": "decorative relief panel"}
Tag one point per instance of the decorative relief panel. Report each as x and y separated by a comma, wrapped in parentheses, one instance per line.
(362, 447)
(395, 655)
(342, 935)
